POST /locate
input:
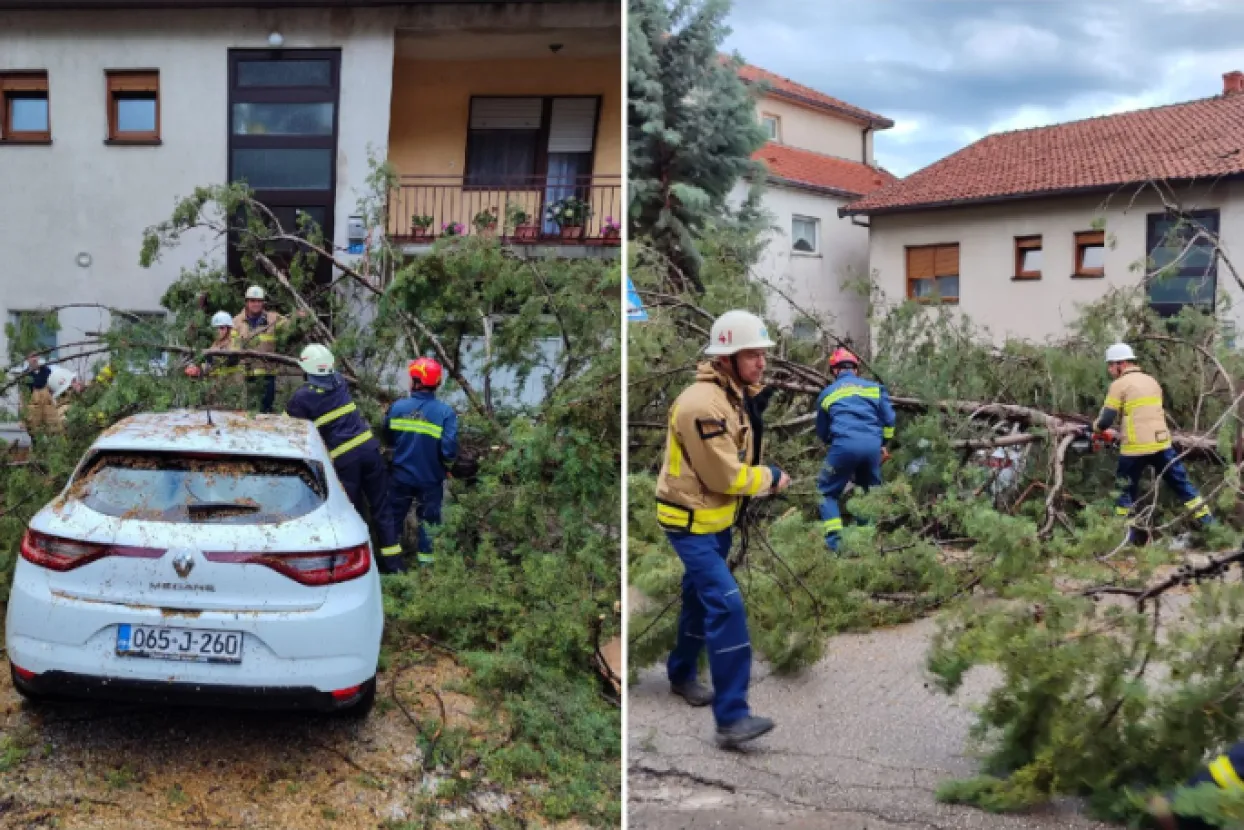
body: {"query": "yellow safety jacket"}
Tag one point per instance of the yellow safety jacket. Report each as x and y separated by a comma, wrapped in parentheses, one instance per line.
(711, 462)
(261, 338)
(1138, 398)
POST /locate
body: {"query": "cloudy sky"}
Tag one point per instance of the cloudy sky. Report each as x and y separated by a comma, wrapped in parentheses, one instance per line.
(948, 72)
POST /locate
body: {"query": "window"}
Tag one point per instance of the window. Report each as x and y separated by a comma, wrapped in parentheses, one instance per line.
(803, 234)
(933, 269)
(805, 330)
(133, 106)
(32, 331)
(1027, 257)
(1090, 254)
(1183, 261)
(773, 127)
(518, 142)
(26, 116)
(141, 327)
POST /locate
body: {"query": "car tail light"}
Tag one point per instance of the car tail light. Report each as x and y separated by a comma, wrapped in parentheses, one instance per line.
(59, 554)
(318, 568)
(24, 674)
(345, 694)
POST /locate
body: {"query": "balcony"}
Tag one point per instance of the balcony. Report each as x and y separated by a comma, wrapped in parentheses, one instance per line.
(445, 201)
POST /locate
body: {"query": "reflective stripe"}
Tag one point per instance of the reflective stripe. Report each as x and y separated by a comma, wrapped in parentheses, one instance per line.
(266, 338)
(1131, 406)
(425, 558)
(1201, 514)
(391, 550)
(1224, 773)
(1145, 449)
(1113, 403)
(412, 425)
(872, 392)
(351, 444)
(697, 521)
(748, 644)
(747, 482)
(830, 525)
(1122, 511)
(675, 447)
(887, 433)
(328, 417)
(1196, 502)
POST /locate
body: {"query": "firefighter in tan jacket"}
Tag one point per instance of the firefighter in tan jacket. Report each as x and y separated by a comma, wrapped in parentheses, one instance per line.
(1145, 439)
(712, 463)
(255, 330)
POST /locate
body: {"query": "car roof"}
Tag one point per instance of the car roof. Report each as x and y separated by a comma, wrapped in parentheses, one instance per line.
(213, 431)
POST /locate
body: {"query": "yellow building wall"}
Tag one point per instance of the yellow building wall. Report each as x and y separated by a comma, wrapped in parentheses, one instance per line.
(432, 101)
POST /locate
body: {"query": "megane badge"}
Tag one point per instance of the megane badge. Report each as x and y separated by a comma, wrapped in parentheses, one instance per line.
(183, 564)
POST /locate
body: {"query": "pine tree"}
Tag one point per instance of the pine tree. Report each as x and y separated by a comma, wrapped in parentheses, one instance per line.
(692, 127)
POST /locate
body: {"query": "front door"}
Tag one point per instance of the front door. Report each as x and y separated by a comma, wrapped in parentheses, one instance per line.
(283, 136)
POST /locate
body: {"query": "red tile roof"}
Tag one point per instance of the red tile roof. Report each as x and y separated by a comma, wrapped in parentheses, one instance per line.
(786, 88)
(1195, 140)
(803, 167)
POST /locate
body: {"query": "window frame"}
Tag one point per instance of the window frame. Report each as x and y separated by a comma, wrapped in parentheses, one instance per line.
(536, 180)
(777, 126)
(1083, 241)
(125, 319)
(1023, 244)
(29, 84)
(934, 246)
(816, 235)
(1209, 219)
(15, 319)
(114, 80)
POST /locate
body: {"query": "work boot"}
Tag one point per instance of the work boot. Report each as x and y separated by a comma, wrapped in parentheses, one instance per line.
(742, 731)
(392, 564)
(1137, 537)
(694, 692)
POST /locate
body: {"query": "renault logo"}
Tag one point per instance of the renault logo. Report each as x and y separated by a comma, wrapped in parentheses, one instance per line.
(183, 564)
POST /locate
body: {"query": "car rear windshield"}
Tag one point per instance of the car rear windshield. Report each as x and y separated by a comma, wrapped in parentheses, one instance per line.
(174, 487)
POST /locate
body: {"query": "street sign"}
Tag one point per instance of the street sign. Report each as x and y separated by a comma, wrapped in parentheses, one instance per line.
(634, 308)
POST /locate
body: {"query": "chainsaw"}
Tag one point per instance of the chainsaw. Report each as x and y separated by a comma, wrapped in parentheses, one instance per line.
(1090, 441)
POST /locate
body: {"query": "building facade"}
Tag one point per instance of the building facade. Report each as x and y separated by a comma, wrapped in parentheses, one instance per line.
(113, 114)
(819, 157)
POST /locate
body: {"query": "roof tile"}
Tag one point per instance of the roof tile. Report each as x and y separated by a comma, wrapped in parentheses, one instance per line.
(787, 88)
(808, 168)
(1195, 140)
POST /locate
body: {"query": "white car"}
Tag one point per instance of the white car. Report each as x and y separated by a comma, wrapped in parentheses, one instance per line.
(200, 557)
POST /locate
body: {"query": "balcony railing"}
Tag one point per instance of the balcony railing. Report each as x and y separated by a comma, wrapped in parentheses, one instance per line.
(443, 201)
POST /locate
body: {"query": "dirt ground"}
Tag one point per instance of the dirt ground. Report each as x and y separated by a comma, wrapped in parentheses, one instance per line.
(88, 765)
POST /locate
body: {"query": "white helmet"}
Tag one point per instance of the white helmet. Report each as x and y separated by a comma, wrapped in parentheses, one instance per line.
(737, 330)
(222, 318)
(254, 293)
(59, 380)
(316, 360)
(1119, 352)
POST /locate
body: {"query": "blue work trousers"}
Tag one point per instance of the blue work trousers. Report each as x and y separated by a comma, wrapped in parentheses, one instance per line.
(846, 462)
(1167, 465)
(366, 481)
(427, 499)
(712, 617)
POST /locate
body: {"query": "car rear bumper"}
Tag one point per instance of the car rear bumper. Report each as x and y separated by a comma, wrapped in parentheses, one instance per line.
(286, 698)
(333, 647)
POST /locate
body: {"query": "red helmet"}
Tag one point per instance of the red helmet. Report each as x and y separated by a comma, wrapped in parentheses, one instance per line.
(425, 370)
(841, 356)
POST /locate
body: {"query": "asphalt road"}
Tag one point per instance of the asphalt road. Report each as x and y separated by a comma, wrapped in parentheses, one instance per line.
(862, 741)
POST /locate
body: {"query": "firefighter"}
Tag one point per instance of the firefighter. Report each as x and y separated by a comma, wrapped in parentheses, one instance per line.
(855, 419)
(221, 365)
(1225, 771)
(1144, 436)
(46, 411)
(325, 401)
(711, 465)
(424, 434)
(255, 329)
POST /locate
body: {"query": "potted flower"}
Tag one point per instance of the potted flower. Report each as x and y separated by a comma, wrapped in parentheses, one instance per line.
(452, 229)
(611, 229)
(485, 222)
(570, 215)
(420, 225)
(520, 220)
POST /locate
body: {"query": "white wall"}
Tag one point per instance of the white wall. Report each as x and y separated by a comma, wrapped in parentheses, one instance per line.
(817, 283)
(815, 130)
(81, 196)
(1041, 309)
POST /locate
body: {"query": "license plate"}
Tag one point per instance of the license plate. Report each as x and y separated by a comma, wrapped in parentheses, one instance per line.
(163, 643)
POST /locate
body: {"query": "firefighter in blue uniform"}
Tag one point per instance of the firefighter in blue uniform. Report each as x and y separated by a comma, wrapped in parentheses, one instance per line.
(1226, 770)
(855, 418)
(424, 434)
(325, 401)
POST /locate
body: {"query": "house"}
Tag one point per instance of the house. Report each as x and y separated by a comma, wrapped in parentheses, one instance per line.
(1021, 229)
(819, 157)
(113, 109)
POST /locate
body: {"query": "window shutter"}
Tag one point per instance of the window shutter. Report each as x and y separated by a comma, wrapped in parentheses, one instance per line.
(134, 81)
(24, 82)
(1091, 238)
(946, 261)
(506, 113)
(920, 263)
(573, 125)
